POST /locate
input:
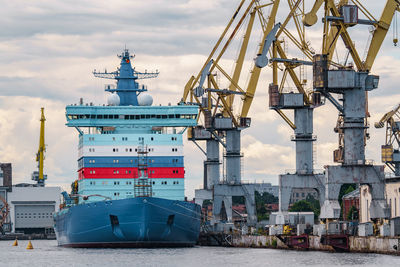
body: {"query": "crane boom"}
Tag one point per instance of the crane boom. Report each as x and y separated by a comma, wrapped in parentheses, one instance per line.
(39, 175)
(256, 71)
(380, 32)
(390, 150)
(42, 147)
(388, 117)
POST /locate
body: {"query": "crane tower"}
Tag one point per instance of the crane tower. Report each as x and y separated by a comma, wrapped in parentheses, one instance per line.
(39, 175)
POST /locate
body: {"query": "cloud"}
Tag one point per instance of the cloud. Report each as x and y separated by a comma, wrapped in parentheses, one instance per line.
(48, 50)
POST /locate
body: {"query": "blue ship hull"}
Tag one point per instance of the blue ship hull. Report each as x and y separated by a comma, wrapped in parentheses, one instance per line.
(131, 222)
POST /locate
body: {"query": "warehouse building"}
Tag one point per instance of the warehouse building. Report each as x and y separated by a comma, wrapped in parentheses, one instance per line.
(30, 207)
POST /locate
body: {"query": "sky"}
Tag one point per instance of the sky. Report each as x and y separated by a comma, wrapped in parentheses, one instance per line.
(48, 50)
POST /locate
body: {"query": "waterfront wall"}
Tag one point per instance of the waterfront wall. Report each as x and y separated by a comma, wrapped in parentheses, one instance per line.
(370, 244)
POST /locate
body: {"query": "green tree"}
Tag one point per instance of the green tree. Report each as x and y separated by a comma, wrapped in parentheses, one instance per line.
(261, 200)
(266, 198)
(301, 205)
(237, 200)
(309, 204)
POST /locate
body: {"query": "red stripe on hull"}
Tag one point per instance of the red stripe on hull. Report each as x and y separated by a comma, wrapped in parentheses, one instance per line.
(110, 173)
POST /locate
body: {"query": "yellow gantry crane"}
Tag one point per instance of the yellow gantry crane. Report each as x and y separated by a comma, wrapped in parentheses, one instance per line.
(390, 150)
(204, 90)
(338, 19)
(39, 175)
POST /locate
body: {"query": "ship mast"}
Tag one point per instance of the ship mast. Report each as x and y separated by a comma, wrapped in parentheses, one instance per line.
(127, 87)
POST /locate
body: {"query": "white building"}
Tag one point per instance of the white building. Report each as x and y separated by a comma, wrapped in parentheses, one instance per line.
(32, 208)
(392, 193)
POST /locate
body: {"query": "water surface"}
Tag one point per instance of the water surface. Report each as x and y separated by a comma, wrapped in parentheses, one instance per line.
(46, 253)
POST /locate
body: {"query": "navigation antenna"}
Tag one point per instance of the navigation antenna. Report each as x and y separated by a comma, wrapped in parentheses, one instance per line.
(143, 184)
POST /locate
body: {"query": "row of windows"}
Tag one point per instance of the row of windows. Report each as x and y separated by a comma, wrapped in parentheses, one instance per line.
(131, 150)
(128, 171)
(130, 183)
(132, 117)
(115, 183)
(140, 138)
(131, 161)
(127, 193)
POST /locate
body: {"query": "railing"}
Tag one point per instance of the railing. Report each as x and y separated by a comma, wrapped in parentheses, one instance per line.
(303, 172)
(255, 181)
(313, 138)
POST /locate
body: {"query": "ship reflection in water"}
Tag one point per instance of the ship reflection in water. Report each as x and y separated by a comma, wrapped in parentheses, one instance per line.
(47, 253)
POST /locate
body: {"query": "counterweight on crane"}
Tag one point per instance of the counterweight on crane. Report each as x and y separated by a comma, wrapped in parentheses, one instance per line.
(38, 175)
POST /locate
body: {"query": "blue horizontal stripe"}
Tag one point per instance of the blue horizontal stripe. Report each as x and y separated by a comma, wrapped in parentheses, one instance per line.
(129, 162)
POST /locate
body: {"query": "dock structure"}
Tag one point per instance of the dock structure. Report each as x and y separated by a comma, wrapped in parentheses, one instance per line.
(345, 85)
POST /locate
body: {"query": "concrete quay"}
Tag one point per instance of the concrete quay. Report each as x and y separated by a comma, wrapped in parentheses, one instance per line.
(369, 244)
